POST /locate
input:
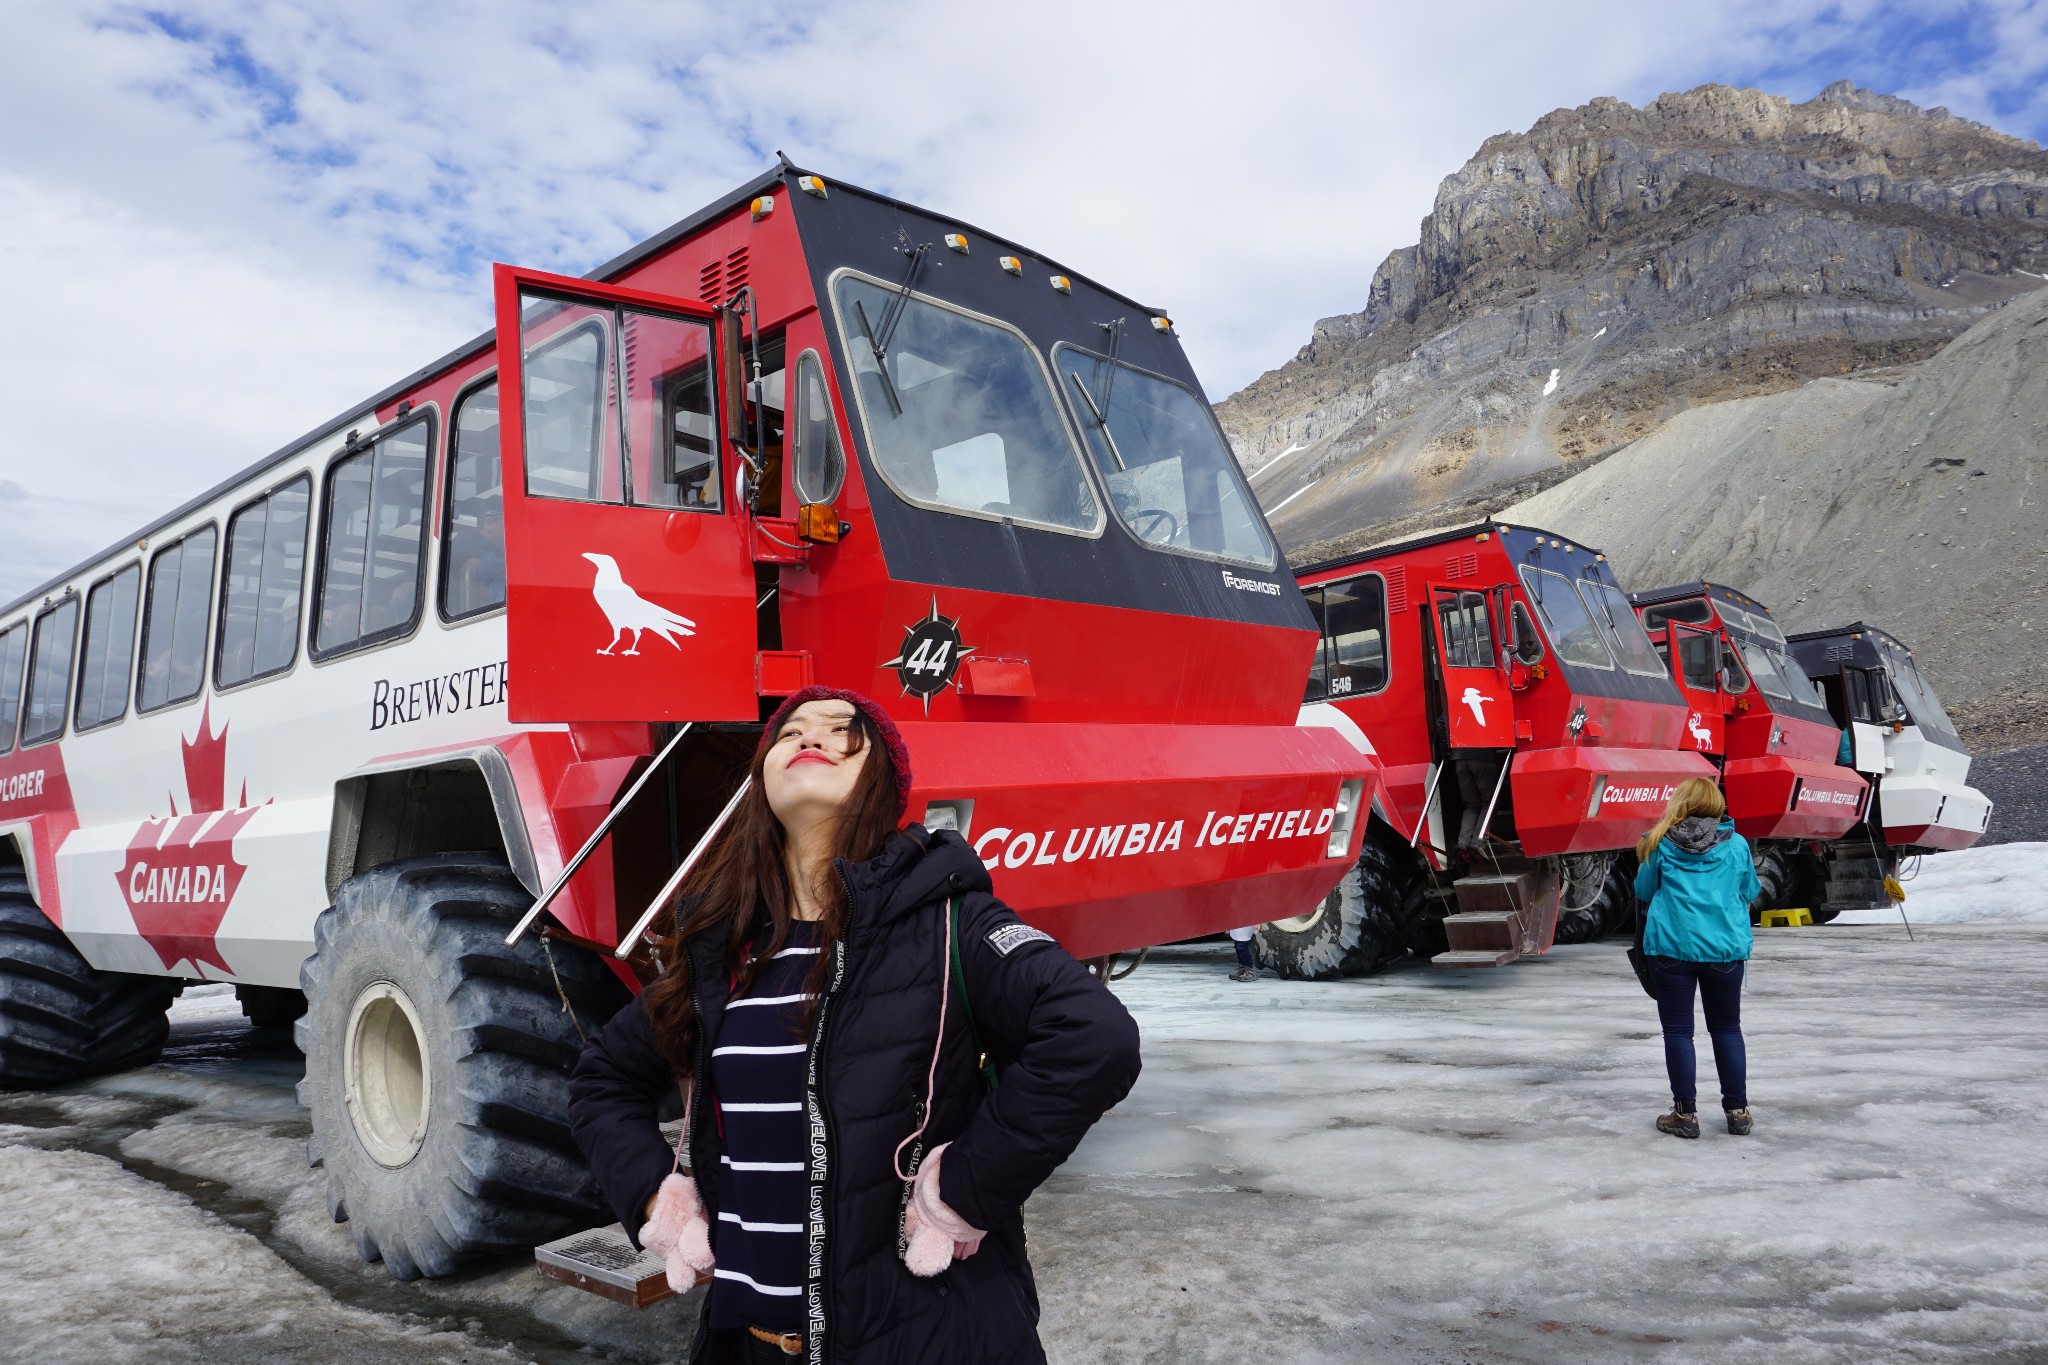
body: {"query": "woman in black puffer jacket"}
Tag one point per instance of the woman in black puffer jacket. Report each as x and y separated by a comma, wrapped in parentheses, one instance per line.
(859, 1185)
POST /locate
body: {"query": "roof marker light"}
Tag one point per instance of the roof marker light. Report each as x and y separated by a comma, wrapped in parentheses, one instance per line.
(1063, 284)
(762, 207)
(811, 184)
(958, 241)
(1011, 264)
(1569, 546)
(1162, 324)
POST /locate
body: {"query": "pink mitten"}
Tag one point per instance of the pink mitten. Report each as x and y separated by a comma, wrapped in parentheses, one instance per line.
(678, 1233)
(934, 1235)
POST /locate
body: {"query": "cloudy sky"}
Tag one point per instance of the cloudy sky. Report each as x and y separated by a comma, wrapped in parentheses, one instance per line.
(223, 222)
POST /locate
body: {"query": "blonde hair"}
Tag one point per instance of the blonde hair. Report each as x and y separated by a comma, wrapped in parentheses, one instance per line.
(1695, 796)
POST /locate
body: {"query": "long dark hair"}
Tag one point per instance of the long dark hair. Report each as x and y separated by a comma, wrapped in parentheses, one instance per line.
(741, 893)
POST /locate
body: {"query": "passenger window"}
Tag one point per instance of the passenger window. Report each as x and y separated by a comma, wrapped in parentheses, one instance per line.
(1355, 624)
(260, 592)
(376, 505)
(820, 468)
(1692, 610)
(174, 622)
(659, 446)
(109, 650)
(960, 415)
(13, 647)
(49, 672)
(1466, 629)
(473, 538)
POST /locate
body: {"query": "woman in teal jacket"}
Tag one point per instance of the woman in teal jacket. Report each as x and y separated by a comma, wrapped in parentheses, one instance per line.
(1695, 884)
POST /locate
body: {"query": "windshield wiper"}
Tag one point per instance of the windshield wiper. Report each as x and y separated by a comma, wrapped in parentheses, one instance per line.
(1100, 419)
(881, 366)
(1100, 411)
(878, 338)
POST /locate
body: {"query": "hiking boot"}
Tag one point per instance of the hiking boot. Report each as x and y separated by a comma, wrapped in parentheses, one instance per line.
(1739, 1122)
(1245, 974)
(1678, 1123)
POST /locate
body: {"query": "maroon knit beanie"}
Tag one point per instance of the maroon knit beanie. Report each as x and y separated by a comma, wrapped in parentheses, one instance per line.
(892, 738)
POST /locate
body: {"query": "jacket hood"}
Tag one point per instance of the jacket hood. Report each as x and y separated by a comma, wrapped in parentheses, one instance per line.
(1698, 833)
(916, 866)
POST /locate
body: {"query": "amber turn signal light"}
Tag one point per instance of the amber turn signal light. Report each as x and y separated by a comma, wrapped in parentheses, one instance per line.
(819, 523)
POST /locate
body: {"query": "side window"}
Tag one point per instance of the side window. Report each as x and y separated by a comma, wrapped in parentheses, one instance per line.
(820, 468)
(49, 672)
(174, 622)
(1857, 683)
(371, 542)
(109, 649)
(1466, 629)
(1528, 643)
(1696, 659)
(13, 649)
(1355, 625)
(473, 535)
(1731, 665)
(1319, 665)
(633, 422)
(259, 600)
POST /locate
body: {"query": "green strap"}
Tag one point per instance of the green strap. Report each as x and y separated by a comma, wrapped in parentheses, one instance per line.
(987, 1068)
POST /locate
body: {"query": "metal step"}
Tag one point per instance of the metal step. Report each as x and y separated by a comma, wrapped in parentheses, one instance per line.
(605, 1262)
(1495, 892)
(1489, 931)
(1475, 957)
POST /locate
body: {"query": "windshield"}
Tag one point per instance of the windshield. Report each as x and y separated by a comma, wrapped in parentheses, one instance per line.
(1170, 477)
(1572, 632)
(1764, 670)
(1617, 620)
(962, 418)
(1921, 703)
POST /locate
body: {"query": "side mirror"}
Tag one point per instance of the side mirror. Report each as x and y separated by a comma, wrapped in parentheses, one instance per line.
(732, 388)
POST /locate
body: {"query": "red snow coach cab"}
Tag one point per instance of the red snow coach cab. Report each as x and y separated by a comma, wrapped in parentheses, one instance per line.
(1529, 735)
(1754, 713)
(414, 728)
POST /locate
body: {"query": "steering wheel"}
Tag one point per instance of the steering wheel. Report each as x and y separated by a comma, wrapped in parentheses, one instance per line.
(1142, 518)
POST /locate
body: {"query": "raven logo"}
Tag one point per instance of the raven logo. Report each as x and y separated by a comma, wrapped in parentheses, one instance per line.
(630, 614)
(1476, 699)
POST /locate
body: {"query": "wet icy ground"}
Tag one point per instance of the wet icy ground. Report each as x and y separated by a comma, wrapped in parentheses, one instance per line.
(1423, 1165)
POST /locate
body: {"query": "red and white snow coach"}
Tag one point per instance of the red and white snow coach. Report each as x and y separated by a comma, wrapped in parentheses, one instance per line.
(344, 723)
(1529, 735)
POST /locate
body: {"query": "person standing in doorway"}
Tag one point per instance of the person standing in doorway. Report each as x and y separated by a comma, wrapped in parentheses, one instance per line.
(1695, 884)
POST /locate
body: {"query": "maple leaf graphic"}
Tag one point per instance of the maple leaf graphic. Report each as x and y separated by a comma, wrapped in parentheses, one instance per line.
(181, 873)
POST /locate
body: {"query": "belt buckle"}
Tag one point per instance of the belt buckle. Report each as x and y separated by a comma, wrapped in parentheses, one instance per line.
(789, 1343)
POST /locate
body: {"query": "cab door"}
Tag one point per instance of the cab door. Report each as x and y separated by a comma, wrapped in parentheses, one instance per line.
(1694, 656)
(629, 582)
(1478, 706)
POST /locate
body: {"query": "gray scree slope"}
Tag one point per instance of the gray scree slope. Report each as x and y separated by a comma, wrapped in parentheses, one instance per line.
(1578, 284)
(1918, 505)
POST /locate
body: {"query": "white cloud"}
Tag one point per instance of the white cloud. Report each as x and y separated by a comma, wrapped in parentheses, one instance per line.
(228, 219)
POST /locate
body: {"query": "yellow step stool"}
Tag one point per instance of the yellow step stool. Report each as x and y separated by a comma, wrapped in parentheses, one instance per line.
(1786, 919)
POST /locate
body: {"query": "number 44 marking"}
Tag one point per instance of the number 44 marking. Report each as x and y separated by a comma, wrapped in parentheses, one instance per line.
(931, 656)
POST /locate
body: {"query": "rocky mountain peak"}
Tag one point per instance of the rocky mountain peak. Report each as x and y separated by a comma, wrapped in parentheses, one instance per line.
(1576, 284)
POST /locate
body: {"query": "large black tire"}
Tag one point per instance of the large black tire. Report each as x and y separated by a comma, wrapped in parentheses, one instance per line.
(1582, 913)
(60, 1020)
(1778, 878)
(1359, 927)
(1618, 907)
(437, 1066)
(271, 1006)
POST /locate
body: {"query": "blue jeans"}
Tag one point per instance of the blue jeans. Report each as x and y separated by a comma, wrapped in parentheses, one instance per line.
(1720, 987)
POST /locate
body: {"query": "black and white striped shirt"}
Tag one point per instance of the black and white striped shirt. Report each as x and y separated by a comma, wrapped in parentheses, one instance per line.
(757, 1080)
